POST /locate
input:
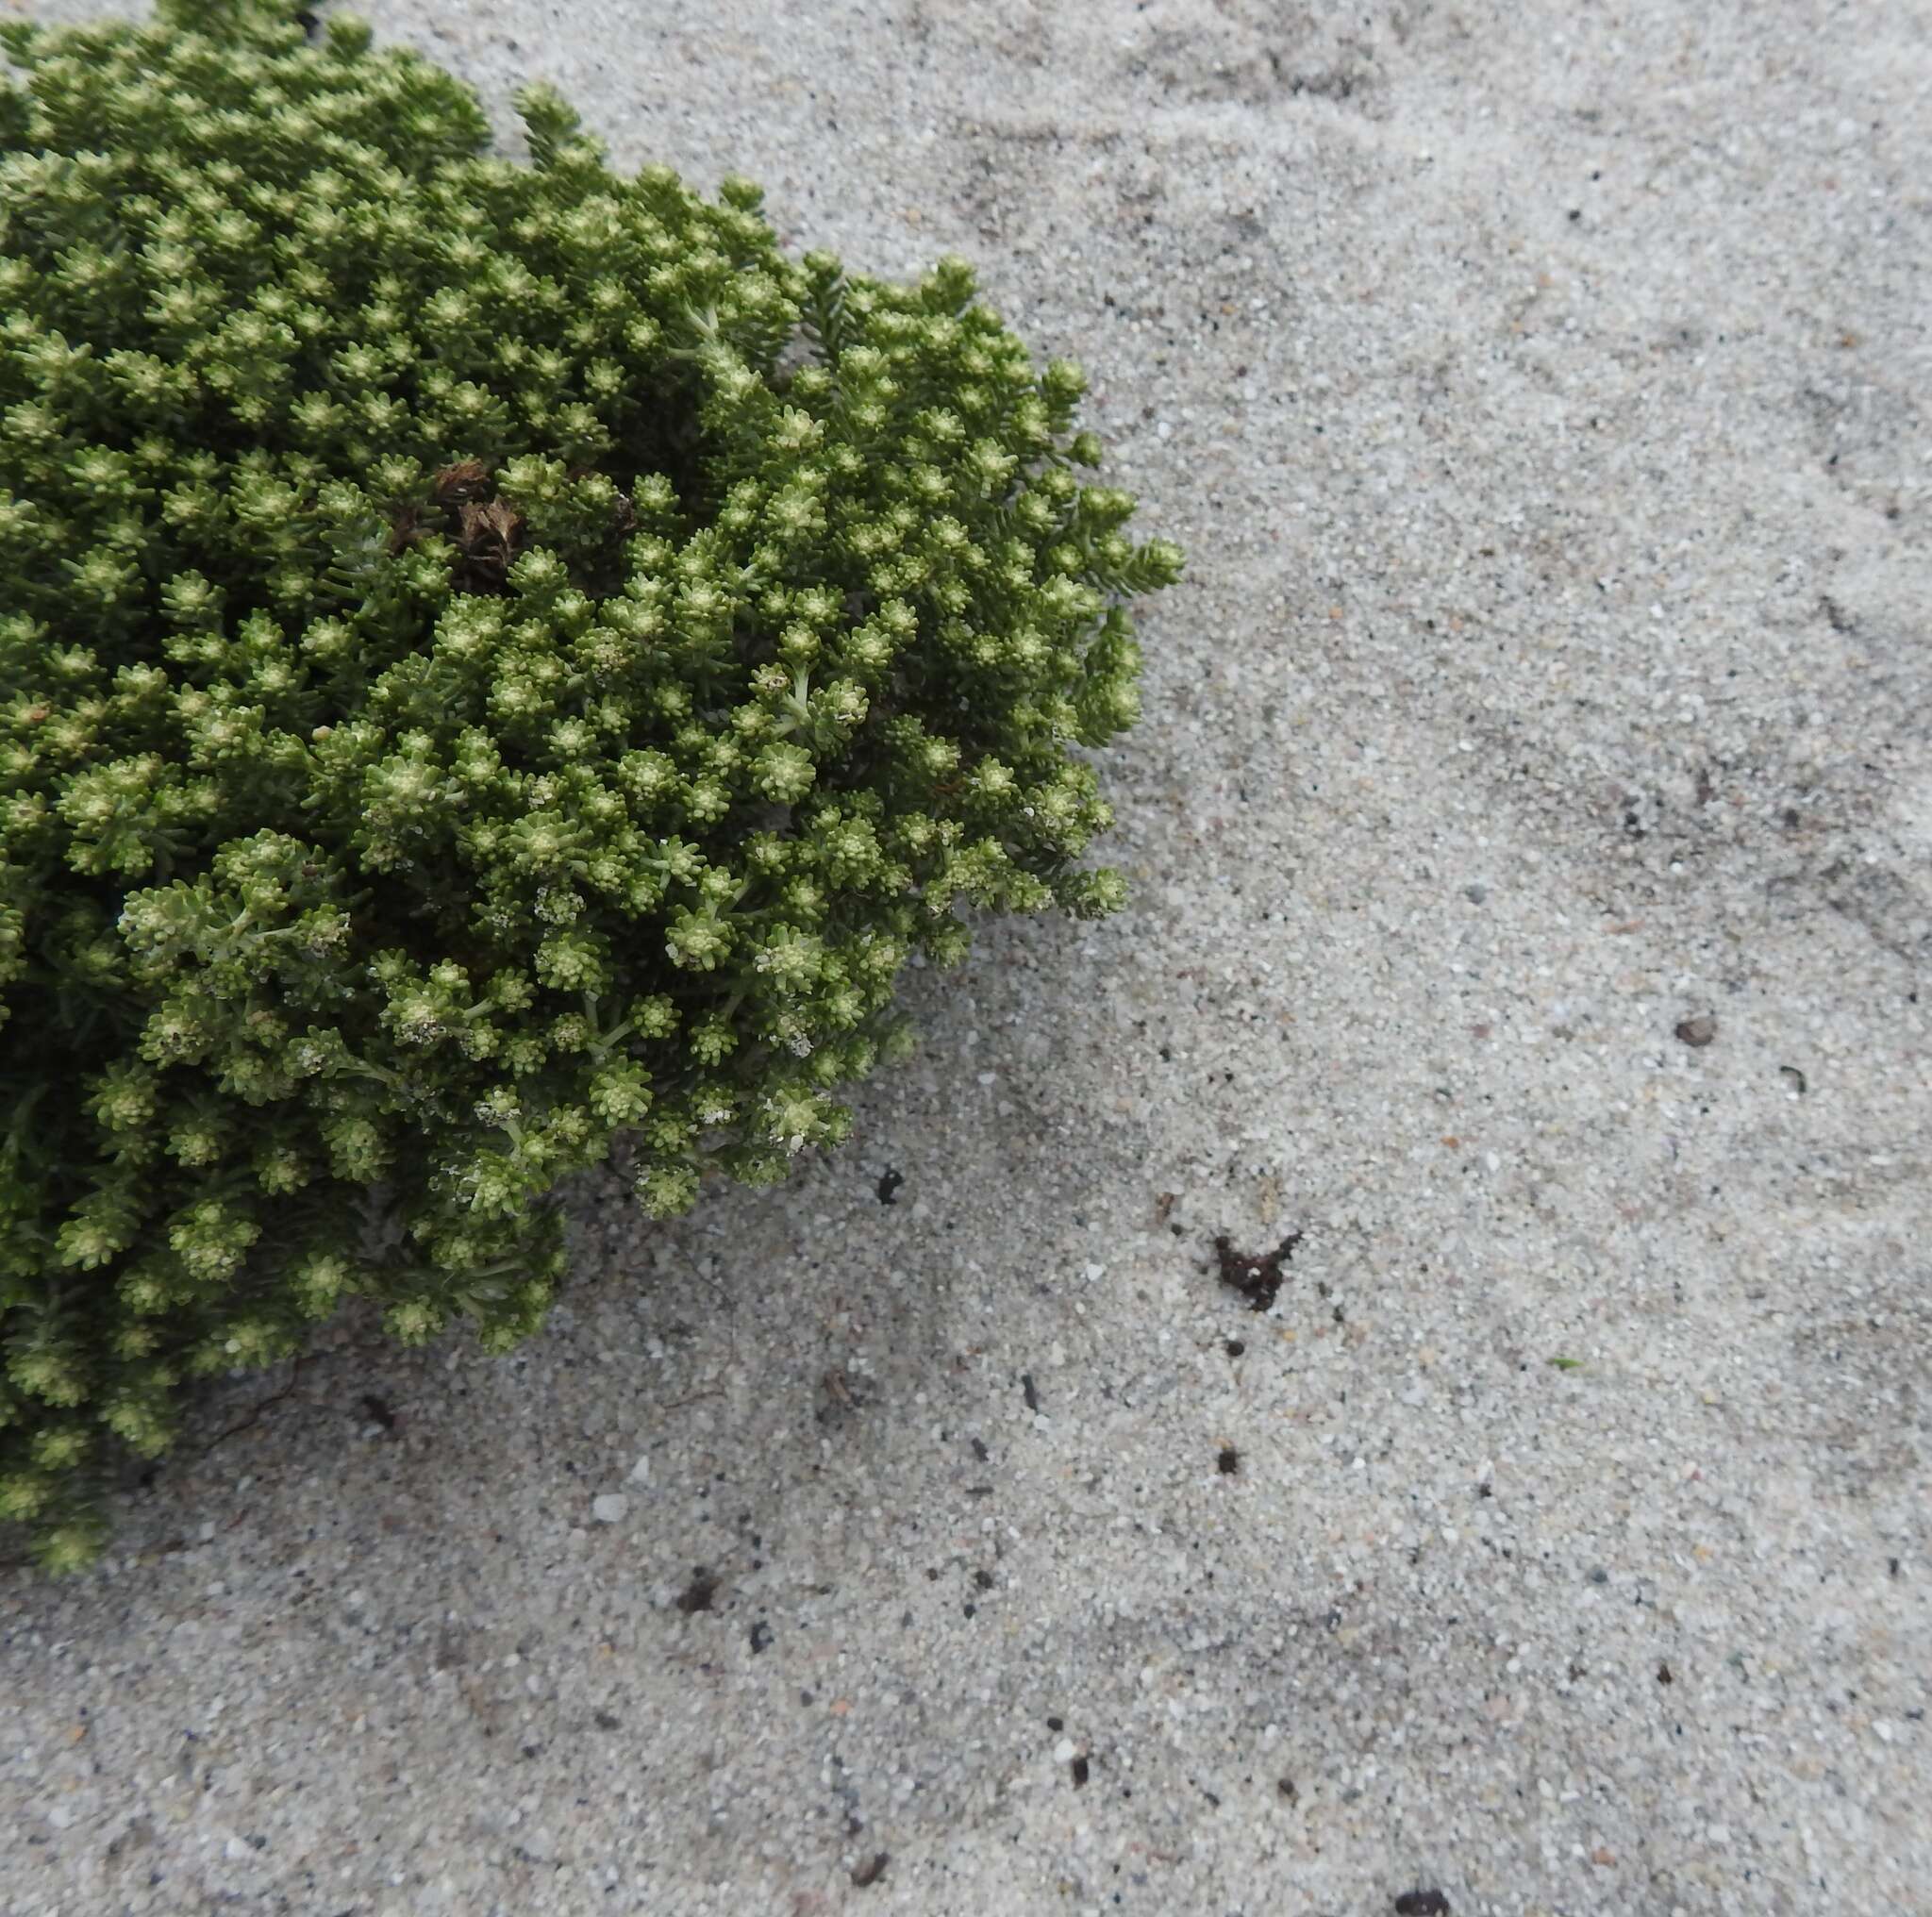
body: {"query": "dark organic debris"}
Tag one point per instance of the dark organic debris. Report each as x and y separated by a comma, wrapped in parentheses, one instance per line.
(1029, 1392)
(1079, 1770)
(888, 1183)
(869, 1872)
(1228, 1461)
(842, 1398)
(1421, 1903)
(1663, 1675)
(460, 484)
(486, 534)
(1257, 1278)
(1698, 1031)
(698, 1593)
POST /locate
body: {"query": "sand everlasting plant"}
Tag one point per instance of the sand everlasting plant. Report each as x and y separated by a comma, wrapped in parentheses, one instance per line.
(500, 669)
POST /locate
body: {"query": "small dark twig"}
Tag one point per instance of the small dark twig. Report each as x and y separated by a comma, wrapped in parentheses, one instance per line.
(710, 1284)
(362, 1348)
(677, 1404)
(254, 1417)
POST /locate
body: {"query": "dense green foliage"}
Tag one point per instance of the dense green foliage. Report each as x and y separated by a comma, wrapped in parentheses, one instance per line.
(500, 669)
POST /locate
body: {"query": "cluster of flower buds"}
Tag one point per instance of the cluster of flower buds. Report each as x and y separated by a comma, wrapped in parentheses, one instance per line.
(500, 669)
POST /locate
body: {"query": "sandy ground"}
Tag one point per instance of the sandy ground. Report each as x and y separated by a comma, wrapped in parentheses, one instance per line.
(1533, 834)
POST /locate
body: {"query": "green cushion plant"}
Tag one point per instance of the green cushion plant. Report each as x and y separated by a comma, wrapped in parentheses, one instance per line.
(500, 667)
